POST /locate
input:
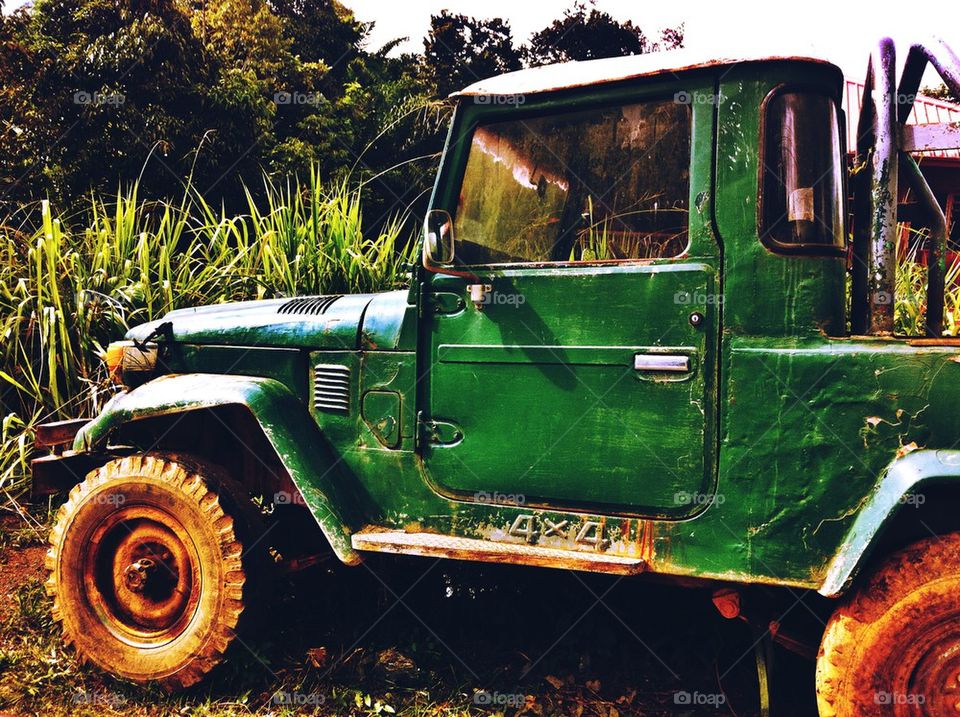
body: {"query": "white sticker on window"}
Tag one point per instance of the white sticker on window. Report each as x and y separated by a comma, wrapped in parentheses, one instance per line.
(800, 206)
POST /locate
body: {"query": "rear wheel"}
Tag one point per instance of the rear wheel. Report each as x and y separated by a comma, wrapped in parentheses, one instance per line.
(147, 570)
(893, 648)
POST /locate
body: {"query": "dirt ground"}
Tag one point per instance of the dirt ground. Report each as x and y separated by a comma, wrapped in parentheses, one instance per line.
(416, 636)
(18, 566)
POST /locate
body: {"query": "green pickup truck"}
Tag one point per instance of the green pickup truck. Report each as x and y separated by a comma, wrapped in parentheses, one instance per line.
(650, 335)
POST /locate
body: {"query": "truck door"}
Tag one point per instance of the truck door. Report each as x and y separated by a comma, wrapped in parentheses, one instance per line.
(579, 372)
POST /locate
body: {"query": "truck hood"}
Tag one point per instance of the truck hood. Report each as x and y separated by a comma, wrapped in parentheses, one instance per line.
(305, 322)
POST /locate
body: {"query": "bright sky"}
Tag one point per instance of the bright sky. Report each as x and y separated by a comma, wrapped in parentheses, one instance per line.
(845, 29)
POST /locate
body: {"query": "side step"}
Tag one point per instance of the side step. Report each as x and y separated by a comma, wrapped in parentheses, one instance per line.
(447, 546)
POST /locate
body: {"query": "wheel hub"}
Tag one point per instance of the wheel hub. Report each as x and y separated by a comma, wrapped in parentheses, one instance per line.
(926, 675)
(936, 680)
(142, 570)
(139, 573)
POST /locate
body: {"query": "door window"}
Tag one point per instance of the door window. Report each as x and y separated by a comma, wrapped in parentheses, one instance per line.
(600, 184)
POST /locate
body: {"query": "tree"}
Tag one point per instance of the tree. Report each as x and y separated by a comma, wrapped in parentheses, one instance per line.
(671, 38)
(460, 50)
(222, 90)
(18, 112)
(96, 84)
(586, 33)
(323, 31)
(941, 93)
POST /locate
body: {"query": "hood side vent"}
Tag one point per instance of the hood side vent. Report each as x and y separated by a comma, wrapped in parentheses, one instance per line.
(314, 305)
(331, 388)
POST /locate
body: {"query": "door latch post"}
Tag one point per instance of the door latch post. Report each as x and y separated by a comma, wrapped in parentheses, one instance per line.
(479, 294)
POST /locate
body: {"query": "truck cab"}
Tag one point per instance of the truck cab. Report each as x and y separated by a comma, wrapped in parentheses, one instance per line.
(631, 347)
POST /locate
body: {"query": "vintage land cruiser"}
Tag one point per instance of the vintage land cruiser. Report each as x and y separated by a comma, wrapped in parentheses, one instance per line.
(632, 347)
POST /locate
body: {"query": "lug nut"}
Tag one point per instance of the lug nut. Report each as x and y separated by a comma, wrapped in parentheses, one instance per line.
(138, 573)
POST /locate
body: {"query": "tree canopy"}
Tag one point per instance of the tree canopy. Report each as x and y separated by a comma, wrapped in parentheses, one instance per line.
(460, 50)
(99, 92)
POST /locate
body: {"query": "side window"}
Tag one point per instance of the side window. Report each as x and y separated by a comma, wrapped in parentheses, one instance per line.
(598, 184)
(801, 185)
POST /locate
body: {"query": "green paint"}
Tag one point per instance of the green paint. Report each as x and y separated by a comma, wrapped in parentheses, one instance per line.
(772, 459)
(284, 419)
(381, 411)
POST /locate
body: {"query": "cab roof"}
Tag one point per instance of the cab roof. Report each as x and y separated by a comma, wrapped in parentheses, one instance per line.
(569, 75)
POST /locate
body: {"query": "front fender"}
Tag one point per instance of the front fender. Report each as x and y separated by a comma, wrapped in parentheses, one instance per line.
(287, 424)
(902, 477)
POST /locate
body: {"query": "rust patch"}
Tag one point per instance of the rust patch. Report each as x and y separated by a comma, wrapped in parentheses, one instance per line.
(936, 341)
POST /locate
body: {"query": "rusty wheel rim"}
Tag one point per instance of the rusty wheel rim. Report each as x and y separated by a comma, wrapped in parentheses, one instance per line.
(926, 674)
(141, 573)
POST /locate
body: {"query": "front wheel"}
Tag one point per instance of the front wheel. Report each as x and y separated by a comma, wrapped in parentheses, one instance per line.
(893, 648)
(147, 570)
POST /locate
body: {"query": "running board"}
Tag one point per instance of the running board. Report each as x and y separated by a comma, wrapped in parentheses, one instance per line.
(447, 546)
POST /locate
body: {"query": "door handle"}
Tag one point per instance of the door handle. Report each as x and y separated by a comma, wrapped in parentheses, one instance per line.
(662, 363)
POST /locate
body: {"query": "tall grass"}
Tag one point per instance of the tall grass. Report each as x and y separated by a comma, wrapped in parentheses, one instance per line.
(911, 293)
(69, 285)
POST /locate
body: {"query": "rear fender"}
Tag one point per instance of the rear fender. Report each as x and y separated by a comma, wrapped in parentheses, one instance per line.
(903, 477)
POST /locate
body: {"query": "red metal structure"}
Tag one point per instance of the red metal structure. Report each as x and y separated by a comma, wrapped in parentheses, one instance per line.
(941, 167)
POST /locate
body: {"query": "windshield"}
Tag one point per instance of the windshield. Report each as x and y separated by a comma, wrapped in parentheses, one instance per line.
(597, 184)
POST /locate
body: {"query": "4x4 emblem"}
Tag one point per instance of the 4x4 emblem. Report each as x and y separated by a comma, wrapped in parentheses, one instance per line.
(531, 528)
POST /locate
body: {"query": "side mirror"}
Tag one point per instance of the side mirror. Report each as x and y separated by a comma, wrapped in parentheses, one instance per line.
(438, 245)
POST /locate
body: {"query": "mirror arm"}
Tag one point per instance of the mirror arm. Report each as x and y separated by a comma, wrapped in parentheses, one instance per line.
(436, 269)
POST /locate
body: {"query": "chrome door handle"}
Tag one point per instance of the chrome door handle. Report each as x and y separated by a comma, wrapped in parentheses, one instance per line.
(663, 363)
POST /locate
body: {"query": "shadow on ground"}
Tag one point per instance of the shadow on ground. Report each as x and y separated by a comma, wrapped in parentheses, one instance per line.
(534, 641)
(415, 636)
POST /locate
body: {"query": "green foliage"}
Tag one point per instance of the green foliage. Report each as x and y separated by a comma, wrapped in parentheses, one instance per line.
(911, 294)
(97, 86)
(941, 92)
(69, 285)
(224, 90)
(15, 451)
(220, 91)
(460, 50)
(586, 33)
(323, 31)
